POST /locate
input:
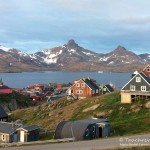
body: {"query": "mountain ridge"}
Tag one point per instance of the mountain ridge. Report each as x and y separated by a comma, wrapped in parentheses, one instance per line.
(72, 57)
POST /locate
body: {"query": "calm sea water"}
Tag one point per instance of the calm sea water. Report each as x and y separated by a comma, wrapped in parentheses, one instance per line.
(20, 80)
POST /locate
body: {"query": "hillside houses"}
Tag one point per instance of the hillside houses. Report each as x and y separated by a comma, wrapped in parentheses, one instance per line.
(138, 87)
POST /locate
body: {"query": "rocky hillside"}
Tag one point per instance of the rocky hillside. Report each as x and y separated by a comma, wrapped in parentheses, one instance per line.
(15, 101)
(125, 118)
(71, 57)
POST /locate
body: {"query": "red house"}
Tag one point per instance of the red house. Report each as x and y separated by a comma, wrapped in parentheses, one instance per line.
(4, 89)
(146, 70)
(83, 88)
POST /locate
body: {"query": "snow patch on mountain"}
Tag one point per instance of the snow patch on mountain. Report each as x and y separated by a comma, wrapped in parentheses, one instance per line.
(87, 53)
(4, 48)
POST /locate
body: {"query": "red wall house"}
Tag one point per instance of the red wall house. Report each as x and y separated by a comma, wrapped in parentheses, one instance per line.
(84, 88)
(147, 71)
(5, 90)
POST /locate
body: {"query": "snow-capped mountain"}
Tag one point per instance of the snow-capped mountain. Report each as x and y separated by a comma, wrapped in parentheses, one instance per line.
(68, 52)
(71, 57)
(121, 56)
(145, 57)
(4, 48)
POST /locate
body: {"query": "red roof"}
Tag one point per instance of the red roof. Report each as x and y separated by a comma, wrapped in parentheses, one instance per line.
(4, 87)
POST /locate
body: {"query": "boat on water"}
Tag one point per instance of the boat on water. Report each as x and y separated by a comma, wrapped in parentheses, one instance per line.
(100, 71)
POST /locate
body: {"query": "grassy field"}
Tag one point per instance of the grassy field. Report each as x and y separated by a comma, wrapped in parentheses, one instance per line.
(125, 118)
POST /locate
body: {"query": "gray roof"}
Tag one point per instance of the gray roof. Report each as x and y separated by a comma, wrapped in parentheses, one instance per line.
(8, 128)
(109, 87)
(30, 127)
(3, 114)
(145, 77)
(68, 129)
(90, 83)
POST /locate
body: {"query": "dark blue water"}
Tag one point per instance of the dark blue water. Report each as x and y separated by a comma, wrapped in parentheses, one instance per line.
(20, 80)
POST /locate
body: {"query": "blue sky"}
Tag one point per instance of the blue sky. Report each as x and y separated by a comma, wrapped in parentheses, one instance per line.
(98, 25)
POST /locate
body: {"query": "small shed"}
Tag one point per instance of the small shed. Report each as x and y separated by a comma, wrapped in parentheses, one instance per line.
(28, 133)
(83, 129)
(108, 88)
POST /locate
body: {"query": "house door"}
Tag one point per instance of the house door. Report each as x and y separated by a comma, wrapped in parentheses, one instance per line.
(15, 136)
(21, 136)
(100, 132)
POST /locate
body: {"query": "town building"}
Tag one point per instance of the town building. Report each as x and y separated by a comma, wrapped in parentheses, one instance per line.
(108, 88)
(13, 132)
(83, 129)
(83, 88)
(138, 87)
(3, 114)
(28, 133)
(4, 89)
(8, 133)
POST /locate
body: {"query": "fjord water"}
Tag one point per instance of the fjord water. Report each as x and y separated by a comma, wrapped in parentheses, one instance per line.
(21, 80)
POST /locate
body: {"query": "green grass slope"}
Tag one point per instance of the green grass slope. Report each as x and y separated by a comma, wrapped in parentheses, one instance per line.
(125, 118)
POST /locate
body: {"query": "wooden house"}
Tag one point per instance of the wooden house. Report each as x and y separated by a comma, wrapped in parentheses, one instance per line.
(83, 88)
(108, 88)
(28, 133)
(3, 114)
(138, 87)
(83, 129)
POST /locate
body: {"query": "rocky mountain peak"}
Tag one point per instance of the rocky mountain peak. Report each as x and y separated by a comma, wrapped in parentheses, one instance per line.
(120, 48)
(72, 44)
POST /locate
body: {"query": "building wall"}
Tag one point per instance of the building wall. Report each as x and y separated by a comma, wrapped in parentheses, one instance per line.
(5, 91)
(125, 97)
(7, 138)
(33, 135)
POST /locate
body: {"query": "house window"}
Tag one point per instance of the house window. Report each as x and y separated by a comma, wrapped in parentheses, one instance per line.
(83, 85)
(132, 87)
(148, 69)
(78, 84)
(138, 79)
(104, 89)
(79, 92)
(3, 137)
(143, 88)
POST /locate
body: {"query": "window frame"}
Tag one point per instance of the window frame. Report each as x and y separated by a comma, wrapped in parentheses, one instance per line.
(3, 137)
(79, 92)
(78, 85)
(143, 88)
(138, 79)
(82, 84)
(132, 89)
(148, 69)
